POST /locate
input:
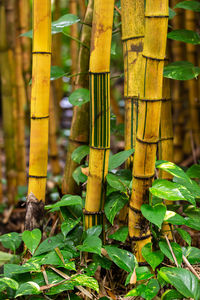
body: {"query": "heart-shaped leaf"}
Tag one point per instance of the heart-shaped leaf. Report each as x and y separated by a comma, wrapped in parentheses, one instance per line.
(154, 214)
(154, 258)
(32, 239)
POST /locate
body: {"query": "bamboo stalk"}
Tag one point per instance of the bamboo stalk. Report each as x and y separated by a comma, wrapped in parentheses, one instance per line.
(53, 147)
(165, 145)
(82, 8)
(7, 108)
(73, 44)
(150, 88)
(40, 98)
(99, 110)
(132, 37)
(79, 133)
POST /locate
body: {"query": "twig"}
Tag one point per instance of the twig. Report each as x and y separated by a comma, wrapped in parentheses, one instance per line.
(190, 267)
(118, 10)
(172, 252)
(193, 147)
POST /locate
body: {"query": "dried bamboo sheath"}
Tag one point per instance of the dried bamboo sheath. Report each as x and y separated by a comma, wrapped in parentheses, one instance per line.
(99, 110)
(40, 98)
(151, 82)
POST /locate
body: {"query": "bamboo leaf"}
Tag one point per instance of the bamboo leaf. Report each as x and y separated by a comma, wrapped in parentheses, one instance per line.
(154, 214)
(154, 258)
(118, 159)
(32, 239)
(114, 203)
(183, 280)
(122, 258)
(186, 36)
(167, 252)
(120, 235)
(181, 70)
(191, 5)
(80, 152)
(79, 97)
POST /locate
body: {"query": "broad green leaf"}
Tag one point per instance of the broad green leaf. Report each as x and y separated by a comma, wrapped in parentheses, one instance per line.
(171, 191)
(8, 282)
(183, 35)
(57, 72)
(28, 288)
(120, 235)
(79, 97)
(173, 170)
(91, 244)
(171, 295)
(183, 280)
(68, 225)
(114, 203)
(94, 231)
(192, 223)
(66, 286)
(5, 258)
(154, 214)
(174, 218)
(11, 240)
(102, 261)
(58, 25)
(79, 153)
(181, 70)
(116, 182)
(32, 239)
(82, 279)
(172, 13)
(176, 249)
(185, 235)
(78, 176)
(12, 269)
(192, 254)
(91, 269)
(154, 258)
(147, 292)
(122, 258)
(191, 5)
(193, 171)
(118, 159)
(49, 244)
(142, 273)
(66, 200)
(192, 212)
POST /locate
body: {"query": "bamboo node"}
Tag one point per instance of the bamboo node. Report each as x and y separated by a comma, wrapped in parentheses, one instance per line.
(96, 73)
(153, 58)
(39, 118)
(137, 211)
(167, 138)
(147, 177)
(41, 52)
(147, 142)
(140, 238)
(156, 16)
(86, 212)
(36, 176)
(152, 100)
(127, 38)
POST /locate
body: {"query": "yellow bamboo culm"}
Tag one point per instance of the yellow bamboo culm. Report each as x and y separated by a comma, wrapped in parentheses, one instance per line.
(79, 132)
(40, 98)
(53, 147)
(7, 107)
(132, 38)
(73, 43)
(150, 99)
(100, 110)
(165, 145)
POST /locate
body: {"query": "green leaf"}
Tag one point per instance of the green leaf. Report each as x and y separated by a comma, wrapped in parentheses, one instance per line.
(11, 240)
(192, 254)
(57, 72)
(116, 182)
(142, 273)
(5, 258)
(171, 191)
(102, 261)
(91, 244)
(183, 35)
(80, 152)
(183, 280)
(32, 239)
(176, 249)
(152, 289)
(154, 214)
(191, 5)
(91, 269)
(8, 282)
(174, 218)
(79, 97)
(49, 244)
(120, 235)
(12, 269)
(171, 295)
(185, 235)
(68, 225)
(192, 223)
(181, 70)
(82, 279)
(28, 288)
(66, 200)
(122, 258)
(94, 231)
(118, 159)
(192, 212)
(78, 176)
(114, 203)
(193, 171)
(154, 258)
(172, 14)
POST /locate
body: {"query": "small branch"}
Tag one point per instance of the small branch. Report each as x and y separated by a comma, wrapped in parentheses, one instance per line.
(190, 267)
(118, 10)
(172, 252)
